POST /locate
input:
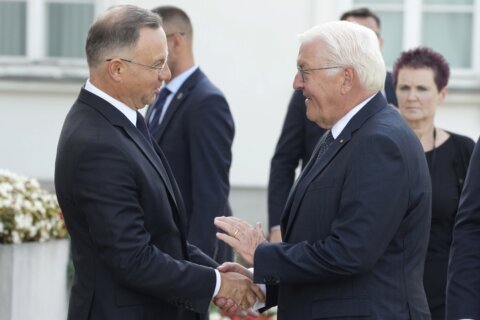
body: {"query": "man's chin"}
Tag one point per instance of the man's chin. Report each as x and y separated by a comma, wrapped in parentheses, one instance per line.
(310, 114)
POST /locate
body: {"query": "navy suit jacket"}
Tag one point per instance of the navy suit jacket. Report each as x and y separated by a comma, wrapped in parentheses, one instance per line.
(463, 282)
(355, 227)
(126, 220)
(295, 145)
(196, 136)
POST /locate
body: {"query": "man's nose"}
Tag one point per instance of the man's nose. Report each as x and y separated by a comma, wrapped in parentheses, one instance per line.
(165, 74)
(298, 81)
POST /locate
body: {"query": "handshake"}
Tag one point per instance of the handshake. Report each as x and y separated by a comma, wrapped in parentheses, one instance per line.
(237, 292)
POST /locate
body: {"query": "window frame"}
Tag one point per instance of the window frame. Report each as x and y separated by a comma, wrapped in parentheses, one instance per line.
(413, 10)
(36, 63)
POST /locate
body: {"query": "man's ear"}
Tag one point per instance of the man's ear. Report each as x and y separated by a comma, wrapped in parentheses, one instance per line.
(348, 79)
(115, 69)
(175, 41)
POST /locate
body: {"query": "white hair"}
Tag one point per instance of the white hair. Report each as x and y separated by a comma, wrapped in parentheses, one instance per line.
(350, 44)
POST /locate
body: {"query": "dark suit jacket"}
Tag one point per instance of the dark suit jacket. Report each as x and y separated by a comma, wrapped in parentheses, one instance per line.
(463, 283)
(355, 227)
(295, 145)
(196, 136)
(126, 220)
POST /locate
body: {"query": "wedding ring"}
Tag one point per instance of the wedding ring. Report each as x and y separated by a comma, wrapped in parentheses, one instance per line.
(235, 233)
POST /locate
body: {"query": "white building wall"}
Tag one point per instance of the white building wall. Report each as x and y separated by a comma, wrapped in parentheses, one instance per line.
(247, 48)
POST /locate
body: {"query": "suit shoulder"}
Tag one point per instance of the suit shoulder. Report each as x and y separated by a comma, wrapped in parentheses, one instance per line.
(205, 95)
(208, 88)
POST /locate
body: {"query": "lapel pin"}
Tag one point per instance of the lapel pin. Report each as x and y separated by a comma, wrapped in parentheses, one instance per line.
(180, 95)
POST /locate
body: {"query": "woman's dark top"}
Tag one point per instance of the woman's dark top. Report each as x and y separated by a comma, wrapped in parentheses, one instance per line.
(448, 165)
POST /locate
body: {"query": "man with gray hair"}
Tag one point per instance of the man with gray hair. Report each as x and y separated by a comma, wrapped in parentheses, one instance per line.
(121, 204)
(356, 222)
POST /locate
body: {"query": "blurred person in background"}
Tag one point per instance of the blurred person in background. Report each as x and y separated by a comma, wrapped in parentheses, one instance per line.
(192, 124)
(421, 78)
(463, 283)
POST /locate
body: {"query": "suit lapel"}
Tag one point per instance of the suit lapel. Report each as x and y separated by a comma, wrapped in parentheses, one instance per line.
(152, 156)
(117, 119)
(177, 101)
(298, 192)
(317, 167)
(302, 175)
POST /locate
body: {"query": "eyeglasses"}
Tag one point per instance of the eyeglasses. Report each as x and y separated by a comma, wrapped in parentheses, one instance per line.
(154, 67)
(306, 71)
(175, 33)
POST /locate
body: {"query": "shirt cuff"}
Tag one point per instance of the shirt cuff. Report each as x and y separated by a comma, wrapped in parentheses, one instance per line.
(218, 282)
(274, 228)
(259, 304)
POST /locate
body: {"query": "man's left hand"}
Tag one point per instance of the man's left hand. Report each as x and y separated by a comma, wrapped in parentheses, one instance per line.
(241, 236)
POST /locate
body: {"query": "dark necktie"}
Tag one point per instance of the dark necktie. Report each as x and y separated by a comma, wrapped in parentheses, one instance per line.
(142, 127)
(157, 109)
(323, 147)
(305, 177)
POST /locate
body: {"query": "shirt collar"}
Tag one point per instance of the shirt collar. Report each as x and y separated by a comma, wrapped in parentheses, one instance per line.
(342, 123)
(123, 108)
(178, 81)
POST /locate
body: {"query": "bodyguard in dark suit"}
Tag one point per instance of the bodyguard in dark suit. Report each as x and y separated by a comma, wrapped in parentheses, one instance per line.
(463, 283)
(356, 222)
(195, 129)
(121, 204)
(299, 135)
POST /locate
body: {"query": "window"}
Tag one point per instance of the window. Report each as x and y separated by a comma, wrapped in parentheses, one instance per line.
(44, 37)
(450, 27)
(12, 28)
(67, 26)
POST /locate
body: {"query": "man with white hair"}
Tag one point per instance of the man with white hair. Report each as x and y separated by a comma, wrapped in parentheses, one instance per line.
(357, 220)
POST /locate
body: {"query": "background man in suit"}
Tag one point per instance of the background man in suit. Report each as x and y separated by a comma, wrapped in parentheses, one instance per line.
(121, 203)
(195, 129)
(356, 222)
(463, 285)
(299, 135)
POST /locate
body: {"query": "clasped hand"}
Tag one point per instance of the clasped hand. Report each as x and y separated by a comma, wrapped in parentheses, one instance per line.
(237, 292)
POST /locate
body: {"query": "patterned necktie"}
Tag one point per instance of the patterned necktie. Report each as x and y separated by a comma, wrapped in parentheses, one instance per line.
(157, 109)
(325, 144)
(322, 146)
(142, 127)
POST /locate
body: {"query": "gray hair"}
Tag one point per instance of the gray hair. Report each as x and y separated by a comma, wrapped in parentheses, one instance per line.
(117, 29)
(350, 44)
